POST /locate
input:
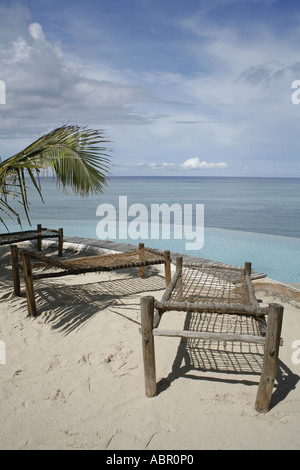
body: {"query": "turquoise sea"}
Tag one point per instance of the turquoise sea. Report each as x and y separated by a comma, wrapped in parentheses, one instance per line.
(245, 219)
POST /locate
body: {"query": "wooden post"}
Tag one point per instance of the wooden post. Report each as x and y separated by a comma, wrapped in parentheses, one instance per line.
(248, 284)
(179, 263)
(29, 284)
(141, 259)
(147, 312)
(15, 269)
(60, 241)
(179, 282)
(167, 257)
(248, 268)
(39, 240)
(271, 350)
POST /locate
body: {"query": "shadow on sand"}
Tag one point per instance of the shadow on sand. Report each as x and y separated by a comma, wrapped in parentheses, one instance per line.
(212, 361)
(68, 307)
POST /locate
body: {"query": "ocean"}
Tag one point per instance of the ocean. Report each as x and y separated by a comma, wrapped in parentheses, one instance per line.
(245, 219)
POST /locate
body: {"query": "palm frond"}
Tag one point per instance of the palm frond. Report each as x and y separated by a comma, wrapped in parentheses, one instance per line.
(76, 156)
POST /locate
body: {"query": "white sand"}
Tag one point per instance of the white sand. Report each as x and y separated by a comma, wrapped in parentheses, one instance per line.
(73, 377)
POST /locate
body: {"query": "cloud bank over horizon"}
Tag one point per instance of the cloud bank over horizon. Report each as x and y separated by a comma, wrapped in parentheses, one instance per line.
(202, 90)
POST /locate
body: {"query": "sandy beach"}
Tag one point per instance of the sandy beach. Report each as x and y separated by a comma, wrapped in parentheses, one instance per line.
(73, 376)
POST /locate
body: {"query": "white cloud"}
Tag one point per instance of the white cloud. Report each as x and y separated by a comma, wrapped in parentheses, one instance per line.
(189, 164)
(36, 31)
(45, 88)
(162, 166)
(194, 163)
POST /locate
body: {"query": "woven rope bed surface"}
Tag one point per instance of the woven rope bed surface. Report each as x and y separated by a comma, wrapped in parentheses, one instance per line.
(14, 237)
(104, 262)
(208, 282)
(112, 261)
(217, 298)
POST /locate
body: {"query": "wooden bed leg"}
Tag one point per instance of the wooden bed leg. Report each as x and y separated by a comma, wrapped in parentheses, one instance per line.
(141, 259)
(179, 267)
(147, 312)
(39, 240)
(15, 269)
(271, 350)
(60, 241)
(179, 263)
(29, 284)
(167, 257)
(248, 267)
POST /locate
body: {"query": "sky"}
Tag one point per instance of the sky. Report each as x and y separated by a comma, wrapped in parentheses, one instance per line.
(181, 87)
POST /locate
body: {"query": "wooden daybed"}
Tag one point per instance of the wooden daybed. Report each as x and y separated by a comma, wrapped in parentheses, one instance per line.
(105, 262)
(38, 234)
(212, 292)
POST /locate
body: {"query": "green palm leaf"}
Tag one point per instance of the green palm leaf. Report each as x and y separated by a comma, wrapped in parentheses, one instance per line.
(76, 156)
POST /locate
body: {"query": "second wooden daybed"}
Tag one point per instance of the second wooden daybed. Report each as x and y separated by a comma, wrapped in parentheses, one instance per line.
(105, 262)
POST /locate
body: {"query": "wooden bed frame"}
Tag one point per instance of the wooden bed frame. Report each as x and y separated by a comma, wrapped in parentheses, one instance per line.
(141, 258)
(38, 234)
(214, 290)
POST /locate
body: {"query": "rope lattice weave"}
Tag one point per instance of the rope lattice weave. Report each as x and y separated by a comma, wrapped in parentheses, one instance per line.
(207, 283)
(15, 237)
(115, 261)
(104, 262)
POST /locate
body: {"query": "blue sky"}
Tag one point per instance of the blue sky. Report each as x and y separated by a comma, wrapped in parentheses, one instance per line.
(181, 87)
